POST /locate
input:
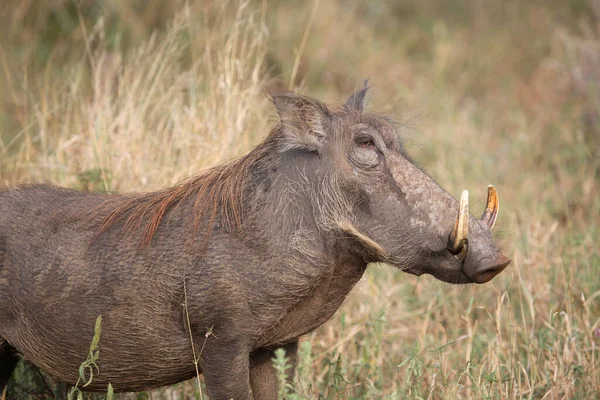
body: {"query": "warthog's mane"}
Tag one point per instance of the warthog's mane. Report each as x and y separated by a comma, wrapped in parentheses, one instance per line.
(217, 194)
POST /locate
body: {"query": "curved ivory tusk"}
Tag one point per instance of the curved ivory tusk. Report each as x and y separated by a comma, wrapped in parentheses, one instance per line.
(491, 210)
(460, 235)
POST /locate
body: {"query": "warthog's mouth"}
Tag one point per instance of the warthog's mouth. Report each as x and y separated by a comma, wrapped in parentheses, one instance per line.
(455, 273)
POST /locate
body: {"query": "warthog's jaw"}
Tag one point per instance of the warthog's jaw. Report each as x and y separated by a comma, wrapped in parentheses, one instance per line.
(453, 271)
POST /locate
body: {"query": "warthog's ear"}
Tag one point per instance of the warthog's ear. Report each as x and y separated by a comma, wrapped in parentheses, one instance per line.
(356, 102)
(304, 122)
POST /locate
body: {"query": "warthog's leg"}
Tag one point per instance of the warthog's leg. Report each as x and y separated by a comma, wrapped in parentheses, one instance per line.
(8, 362)
(263, 377)
(225, 369)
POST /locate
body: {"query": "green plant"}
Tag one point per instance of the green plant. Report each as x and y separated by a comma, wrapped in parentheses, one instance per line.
(87, 367)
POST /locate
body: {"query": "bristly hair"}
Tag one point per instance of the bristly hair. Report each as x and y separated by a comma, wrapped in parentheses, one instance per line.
(218, 191)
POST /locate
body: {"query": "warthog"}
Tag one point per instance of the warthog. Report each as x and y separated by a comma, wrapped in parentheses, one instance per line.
(259, 252)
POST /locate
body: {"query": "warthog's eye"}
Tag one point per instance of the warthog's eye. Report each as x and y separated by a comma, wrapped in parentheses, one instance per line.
(365, 153)
(365, 141)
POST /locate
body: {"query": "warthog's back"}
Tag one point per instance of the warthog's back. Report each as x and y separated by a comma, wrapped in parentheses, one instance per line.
(30, 218)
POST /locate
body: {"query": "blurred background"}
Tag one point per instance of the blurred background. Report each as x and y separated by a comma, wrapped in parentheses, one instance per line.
(136, 95)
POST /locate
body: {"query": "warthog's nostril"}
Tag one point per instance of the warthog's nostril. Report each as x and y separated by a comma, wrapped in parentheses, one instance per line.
(487, 271)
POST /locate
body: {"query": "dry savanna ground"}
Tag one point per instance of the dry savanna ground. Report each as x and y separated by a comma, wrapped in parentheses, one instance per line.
(134, 96)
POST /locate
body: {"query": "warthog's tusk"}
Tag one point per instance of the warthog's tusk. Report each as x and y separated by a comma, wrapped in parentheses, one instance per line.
(459, 237)
(491, 210)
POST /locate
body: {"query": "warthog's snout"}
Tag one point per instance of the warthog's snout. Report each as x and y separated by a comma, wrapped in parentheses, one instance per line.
(489, 269)
(460, 248)
(489, 262)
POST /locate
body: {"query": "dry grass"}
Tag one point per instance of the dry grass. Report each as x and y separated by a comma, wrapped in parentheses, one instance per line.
(148, 118)
(503, 94)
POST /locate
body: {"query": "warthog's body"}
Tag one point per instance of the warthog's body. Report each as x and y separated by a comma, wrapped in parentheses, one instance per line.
(264, 250)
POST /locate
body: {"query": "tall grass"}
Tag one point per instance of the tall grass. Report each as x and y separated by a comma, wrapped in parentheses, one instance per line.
(506, 94)
(187, 97)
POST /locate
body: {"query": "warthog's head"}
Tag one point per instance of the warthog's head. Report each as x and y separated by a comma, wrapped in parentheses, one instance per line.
(372, 194)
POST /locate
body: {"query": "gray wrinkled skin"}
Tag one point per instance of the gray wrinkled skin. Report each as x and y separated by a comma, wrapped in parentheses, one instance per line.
(267, 248)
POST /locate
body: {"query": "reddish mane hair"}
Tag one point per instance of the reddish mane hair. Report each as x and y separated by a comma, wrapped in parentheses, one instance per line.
(217, 191)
